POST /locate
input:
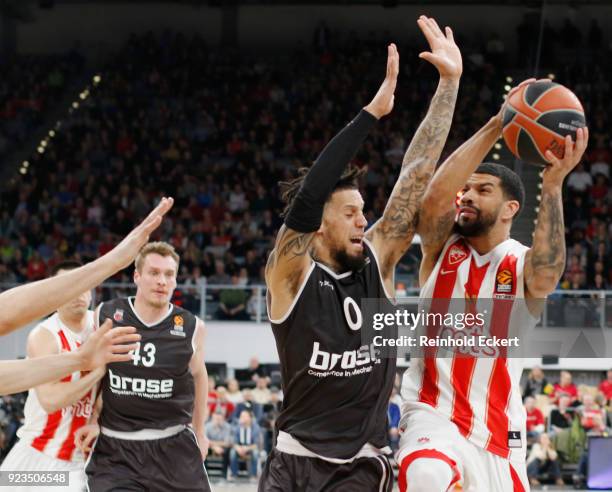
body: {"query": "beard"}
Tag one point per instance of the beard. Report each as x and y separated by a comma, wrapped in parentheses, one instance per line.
(347, 262)
(480, 226)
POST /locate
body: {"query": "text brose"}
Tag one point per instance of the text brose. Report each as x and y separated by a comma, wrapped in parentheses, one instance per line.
(326, 361)
(140, 385)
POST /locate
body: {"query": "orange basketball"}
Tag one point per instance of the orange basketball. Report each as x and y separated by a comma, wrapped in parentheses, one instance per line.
(537, 119)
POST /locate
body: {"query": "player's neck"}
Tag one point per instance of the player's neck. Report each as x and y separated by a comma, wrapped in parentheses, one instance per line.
(487, 242)
(75, 324)
(147, 312)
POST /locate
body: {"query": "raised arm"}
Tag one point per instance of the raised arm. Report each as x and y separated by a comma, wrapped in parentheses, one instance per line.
(437, 215)
(103, 346)
(16, 306)
(290, 259)
(545, 261)
(393, 233)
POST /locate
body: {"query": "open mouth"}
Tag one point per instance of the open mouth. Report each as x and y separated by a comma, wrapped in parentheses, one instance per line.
(357, 240)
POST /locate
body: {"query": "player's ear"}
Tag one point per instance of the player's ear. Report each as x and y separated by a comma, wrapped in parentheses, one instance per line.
(136, 275)
(511, 208)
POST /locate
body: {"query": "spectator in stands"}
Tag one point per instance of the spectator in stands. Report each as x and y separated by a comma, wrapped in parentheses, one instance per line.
(592, 418)
(536, 383)
(233, 392)
(543, 459)
(219, 277)
(222, 403)
(535, 419)
(248, 404)
(219, 434)
(605, 387)
(256, 370)
(246, 445)
(393, 417)
(261, 393)
(565, 387)
(579, 181)
(212, 394)
(562, 416)
(233, 302)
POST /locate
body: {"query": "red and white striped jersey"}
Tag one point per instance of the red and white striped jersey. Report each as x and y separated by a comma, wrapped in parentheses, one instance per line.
(479, 394)
(53, 433)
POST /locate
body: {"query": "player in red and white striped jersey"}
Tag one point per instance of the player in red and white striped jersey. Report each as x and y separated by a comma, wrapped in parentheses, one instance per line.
(55, 411)
(462, 417)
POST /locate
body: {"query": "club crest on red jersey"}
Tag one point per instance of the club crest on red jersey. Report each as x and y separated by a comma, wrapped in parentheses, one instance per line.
(456, 255)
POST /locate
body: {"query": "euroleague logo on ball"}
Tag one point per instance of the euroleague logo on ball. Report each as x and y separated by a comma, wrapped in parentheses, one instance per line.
(538, 117)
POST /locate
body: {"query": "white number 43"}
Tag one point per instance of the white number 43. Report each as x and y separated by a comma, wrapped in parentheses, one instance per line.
(148, 357)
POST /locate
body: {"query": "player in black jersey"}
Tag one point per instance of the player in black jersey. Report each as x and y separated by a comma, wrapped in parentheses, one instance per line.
(150, 430)
(332, 430)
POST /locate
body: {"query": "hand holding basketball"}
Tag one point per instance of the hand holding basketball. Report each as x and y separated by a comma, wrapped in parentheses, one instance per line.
(444, 54)
(382, 103)
(558, 169)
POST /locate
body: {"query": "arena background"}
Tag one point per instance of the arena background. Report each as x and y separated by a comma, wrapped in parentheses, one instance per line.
(105, 106)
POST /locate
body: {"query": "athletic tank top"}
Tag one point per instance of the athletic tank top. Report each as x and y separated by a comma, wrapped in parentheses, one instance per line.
(336, 386)
(156, 389)
(478, 391)
(53, 433)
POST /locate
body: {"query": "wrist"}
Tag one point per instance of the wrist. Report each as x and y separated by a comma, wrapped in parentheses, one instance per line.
(77, 361)
(373, 111)
(450, 79)
(552, 185)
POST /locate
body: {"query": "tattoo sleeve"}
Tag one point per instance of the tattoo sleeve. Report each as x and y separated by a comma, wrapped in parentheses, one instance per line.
(401, 213)
(291, 248)
(547, 260)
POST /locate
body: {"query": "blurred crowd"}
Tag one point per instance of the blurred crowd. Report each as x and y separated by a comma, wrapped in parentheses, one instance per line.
(28, 88)
(561, 416)
(218, 128)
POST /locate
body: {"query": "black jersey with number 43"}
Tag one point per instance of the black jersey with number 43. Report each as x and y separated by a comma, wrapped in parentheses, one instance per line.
(336, 386)
(156, 389)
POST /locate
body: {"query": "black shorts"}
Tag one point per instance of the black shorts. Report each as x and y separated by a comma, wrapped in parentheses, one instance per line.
(172, 463)
(285, 472)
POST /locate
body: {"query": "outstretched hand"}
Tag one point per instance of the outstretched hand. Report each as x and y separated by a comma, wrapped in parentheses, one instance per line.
(444, 54)
(382, 103)
(125, 252)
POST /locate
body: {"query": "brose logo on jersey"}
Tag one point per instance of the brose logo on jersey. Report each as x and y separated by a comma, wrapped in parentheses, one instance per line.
(143, 387)
(349, 359)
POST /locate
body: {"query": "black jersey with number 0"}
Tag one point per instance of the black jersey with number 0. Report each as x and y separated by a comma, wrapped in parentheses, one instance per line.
(156, 389)
(336, 385)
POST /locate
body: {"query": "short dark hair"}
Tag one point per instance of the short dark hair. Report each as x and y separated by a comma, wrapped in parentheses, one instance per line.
(289, 189)
(65, 265)
(511, 183)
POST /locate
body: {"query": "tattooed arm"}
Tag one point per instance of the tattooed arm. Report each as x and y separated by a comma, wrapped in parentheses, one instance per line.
(392, 234)
(291, 258)
(545, 261)
(437, 215)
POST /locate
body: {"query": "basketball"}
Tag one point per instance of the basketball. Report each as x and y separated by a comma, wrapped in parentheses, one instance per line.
(537, 119)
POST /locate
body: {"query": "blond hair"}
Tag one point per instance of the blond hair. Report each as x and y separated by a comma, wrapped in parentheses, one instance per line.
(157, 247)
